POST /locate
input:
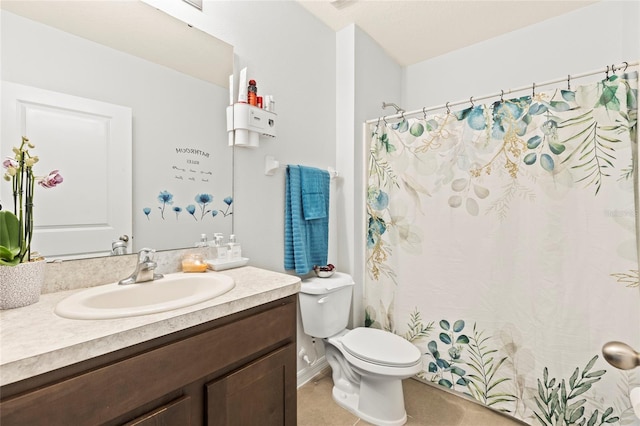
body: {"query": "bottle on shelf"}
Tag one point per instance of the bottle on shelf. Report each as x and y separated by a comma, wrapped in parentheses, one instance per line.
(252, 93)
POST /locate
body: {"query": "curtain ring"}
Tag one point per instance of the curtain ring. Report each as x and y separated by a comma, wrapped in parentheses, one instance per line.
(471, 101)
(501, 96)
(569, 82)
(448, 110)
(402, 115)
(626, 64)
(377, 126)
(424, 112)
(606, 74)
(533, 90)
(613, 68)
(384, 118)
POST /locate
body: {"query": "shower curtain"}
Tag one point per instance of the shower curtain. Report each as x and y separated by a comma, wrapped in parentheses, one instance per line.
(502, 242)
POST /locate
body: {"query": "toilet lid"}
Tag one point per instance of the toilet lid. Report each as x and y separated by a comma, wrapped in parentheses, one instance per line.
(380, 347)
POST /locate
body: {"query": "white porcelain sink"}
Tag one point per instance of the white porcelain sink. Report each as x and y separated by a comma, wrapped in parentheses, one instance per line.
(118, 301)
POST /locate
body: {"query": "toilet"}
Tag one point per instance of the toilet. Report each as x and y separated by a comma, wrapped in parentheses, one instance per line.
(368, 364)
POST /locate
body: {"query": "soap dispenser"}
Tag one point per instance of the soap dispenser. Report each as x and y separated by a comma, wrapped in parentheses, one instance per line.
(220, 251)
(235, 251)
(203, 241)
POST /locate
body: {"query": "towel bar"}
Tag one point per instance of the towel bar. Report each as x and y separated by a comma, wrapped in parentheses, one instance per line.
(271, 165)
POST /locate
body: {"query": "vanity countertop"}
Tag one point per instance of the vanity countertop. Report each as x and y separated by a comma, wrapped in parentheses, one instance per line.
(34, 340)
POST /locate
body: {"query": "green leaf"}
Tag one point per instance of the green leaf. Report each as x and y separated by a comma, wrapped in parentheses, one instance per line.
(533, 142)
(568, 95)
(547, 162)
(589, 365)
(402, 126)
(537, 108)
(559, 106)
(608, 97)
(442, 363)
(444, 324)
(573, 378)
(432, 367)
(416, 129)
(458, 326)
(597, 373)
(445, 383)
(433, 347)
(530, 158)
(556, 148)
(580, 390)
(458, 371)
(612, 419)
(541, 392)
(462, 339)
(575, 415)
(593, 419)
(444, 338)
(10, 238)
(462, 381)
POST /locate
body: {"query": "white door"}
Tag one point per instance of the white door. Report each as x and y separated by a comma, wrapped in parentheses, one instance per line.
(90, 143)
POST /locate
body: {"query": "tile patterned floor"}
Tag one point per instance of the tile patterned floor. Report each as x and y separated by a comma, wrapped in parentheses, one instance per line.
(425, 404)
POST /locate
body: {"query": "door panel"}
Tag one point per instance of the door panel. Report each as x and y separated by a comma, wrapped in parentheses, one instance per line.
(90, 143)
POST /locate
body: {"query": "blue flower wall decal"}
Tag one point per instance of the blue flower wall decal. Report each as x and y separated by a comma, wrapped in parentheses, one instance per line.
(147, 212)
(164, 198)
(228, 201)
(203, 200)
(177, 210)
(192, 210)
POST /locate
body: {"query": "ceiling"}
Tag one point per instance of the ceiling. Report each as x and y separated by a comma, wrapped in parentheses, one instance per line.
(411, 31)
(138, 29)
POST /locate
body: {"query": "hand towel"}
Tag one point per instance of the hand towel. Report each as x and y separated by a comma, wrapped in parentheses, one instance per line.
(315, 192)
(306, 240)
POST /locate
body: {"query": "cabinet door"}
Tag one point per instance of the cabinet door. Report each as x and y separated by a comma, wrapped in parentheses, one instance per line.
(174, 413)
(261, 393)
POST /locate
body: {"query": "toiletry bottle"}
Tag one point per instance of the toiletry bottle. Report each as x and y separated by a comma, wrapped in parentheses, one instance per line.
(235, 251)
(220, 251)
(203, 241)
(252, 93)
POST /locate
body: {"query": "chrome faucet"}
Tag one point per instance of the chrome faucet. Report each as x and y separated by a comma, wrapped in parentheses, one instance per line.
(144, 269)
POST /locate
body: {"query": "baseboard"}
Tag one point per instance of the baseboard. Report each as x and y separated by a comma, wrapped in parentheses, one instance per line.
(308, 373)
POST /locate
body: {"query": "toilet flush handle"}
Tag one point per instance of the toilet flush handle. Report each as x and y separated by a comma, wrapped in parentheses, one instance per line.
(323, 299)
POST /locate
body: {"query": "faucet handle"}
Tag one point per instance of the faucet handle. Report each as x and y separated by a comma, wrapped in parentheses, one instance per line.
(144, 254)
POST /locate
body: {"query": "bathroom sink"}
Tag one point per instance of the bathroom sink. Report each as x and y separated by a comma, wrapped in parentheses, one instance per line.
(118, 301)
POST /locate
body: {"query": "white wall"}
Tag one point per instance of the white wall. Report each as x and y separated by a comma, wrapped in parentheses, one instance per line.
(587, 39)
(291, 55)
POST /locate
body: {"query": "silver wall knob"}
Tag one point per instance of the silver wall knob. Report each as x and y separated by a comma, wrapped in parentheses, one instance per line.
(621, 355)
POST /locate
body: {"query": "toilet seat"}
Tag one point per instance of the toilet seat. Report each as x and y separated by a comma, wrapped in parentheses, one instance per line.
(380, 347)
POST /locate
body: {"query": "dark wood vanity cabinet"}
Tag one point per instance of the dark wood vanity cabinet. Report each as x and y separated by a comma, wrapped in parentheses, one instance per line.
(236, 370)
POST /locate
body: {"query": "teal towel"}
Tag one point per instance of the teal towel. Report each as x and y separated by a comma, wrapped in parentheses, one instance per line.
(306, 240)
(315, 192)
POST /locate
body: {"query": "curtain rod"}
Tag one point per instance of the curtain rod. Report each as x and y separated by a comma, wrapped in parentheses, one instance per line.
(448, 105)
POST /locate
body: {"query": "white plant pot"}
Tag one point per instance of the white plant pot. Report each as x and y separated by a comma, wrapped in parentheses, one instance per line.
(21, 285)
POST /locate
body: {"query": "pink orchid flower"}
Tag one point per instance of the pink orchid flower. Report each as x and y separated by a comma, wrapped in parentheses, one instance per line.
(51, 180)
(9, 162)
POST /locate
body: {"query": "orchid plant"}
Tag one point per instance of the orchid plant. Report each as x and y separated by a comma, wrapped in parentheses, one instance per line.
(16, 228)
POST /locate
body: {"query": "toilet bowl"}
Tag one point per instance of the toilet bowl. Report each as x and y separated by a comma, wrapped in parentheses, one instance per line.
(368, 364)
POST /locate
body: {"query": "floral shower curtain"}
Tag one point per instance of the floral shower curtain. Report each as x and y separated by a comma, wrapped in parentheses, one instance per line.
(502, 242)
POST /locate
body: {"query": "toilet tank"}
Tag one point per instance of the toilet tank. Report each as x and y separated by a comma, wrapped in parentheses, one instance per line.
(325, 304)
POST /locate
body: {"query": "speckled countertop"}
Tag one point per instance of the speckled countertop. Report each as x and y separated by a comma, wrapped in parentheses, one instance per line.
(34, 340)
